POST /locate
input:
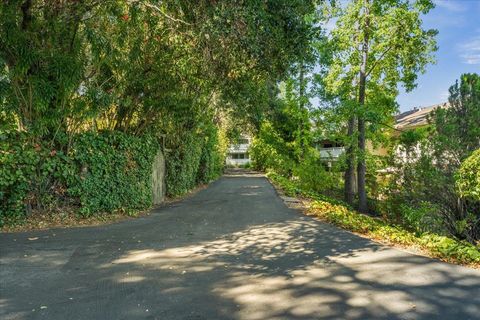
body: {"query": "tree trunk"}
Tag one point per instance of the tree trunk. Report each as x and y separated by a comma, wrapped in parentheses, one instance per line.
(362, 167)
(349, 192)
(301, 96)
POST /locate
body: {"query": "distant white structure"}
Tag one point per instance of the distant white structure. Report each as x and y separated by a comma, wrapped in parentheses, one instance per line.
(411, 120)
(329, 151)
(238, 153)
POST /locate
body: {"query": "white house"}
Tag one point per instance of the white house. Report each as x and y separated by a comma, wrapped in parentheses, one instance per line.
(330, 151)
(237, 154)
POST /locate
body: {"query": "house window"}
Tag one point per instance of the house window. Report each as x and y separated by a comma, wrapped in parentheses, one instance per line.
(237, 156)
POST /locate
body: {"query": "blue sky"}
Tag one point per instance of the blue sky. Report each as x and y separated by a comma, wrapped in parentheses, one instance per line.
(458, 23)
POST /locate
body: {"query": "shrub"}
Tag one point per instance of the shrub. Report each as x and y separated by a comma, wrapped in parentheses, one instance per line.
(468, 177)
(269, 152)
(212, 158)
(32, 175)
(18, 162)
(199, 158)
(102, 172)
(423, 217)
(312, 175)
(114, 172)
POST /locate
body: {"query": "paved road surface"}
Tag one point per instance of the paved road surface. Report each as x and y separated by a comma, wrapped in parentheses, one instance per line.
(232, 251)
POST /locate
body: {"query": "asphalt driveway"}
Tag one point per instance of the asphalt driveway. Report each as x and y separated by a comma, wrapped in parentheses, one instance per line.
(232, 251)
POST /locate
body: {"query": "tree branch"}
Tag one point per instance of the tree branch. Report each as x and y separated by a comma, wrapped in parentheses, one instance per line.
(159, 10)
(379, 59)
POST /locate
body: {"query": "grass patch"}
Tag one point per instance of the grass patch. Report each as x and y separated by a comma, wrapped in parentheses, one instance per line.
(342, 215)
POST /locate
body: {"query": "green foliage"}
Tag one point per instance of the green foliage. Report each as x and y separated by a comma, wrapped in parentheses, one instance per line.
(198, 159)
(411, 138)
(269, 151)
(375, 46)
(42, 62)
(89, 81)
(102, 172)
(313, 175)
(343, 216)
(213, 157)
(468, 177)
(456, 127)
(432, 170)
(182, 165)
(284, 139)
(398, 49)
(18, 163)
(293, 188)
(32, 175)
(125, 65)
(114, 172)
(421, 218)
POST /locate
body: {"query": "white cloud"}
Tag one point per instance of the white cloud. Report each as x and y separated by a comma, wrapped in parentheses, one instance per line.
(451, 5)
(470, 51)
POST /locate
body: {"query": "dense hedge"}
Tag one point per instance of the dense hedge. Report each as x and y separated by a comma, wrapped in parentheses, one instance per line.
(468, 177)
(32, 175)
(338, 213)
(102, 172)
(198, 159)
(182, 165)
(113, 172)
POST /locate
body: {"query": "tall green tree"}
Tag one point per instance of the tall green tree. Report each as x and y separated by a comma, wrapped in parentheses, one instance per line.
(128, 65)
(376, 45)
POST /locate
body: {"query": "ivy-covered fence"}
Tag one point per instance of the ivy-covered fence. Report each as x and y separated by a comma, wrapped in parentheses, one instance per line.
(100, 173)
(113, 171)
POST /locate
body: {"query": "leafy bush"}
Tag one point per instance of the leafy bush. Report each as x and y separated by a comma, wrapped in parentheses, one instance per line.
(468, 177)
(212, 158)
(102, 172)
(32, 175)
(427, 167)
(312, 175)
(199, 158)
(269, 152)
(293, 188)
(18, 162)
(423, 217)
(114, 172)
(182, 164)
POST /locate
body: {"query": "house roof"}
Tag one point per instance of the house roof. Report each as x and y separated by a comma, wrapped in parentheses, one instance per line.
(416, 117)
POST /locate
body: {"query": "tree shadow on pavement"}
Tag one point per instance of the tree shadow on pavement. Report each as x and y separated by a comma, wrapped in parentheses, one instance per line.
(279, 265)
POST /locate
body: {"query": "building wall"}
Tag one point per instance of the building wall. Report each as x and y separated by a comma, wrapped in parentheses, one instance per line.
(237, 162)
(236, 151)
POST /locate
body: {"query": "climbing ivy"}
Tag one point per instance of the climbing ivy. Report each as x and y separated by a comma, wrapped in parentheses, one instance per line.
(114, 172)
